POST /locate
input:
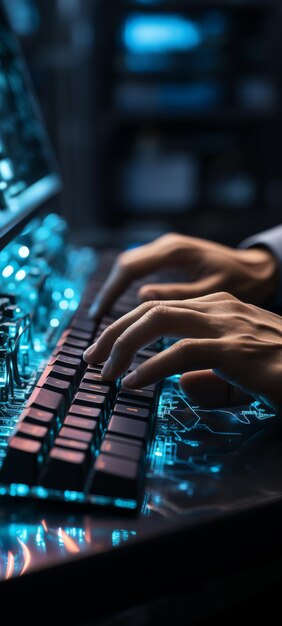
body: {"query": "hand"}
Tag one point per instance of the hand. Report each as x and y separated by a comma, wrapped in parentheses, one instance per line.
(240, 343)
(249, 274)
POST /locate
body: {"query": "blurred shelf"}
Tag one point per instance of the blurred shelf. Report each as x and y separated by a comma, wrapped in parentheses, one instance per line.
(168, 6)
(178, 118)
(179, 76)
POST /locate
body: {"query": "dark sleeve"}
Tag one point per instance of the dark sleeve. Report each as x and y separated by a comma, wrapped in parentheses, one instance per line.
(271, 239)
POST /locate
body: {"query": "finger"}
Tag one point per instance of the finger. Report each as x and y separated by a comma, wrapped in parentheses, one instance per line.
(179, 291)
(159, 322)
(193, 354)
(117, 282)
(100, 350)
(207, 389)
(129, 266)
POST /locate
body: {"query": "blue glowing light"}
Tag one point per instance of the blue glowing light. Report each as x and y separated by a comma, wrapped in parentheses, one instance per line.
(6, 169)
(69, 293)
(215, 469)
(7, 271)
(157, 453)
(20, 275)
(22, 490)
(23, 252)
(54, 322)
(73, 305)
(56, 296)
(160, 33)
(64, 305)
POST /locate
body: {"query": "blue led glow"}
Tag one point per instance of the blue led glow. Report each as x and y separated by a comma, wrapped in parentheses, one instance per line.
(23, 252)
(73, 305)
(41, 492)
(73, 495)
(160, 33)
(20, 275)
(69, 293)
(56, 296)
(215, 469)
(125, 504)
(8, 271)
(6, 169)
(54, 322)
(18, 489)
(64, 305)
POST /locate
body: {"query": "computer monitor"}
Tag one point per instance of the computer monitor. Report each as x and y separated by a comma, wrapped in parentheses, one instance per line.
(28, 171)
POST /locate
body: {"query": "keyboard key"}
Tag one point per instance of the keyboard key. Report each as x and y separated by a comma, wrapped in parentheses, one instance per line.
(61, 386)
(78, 334)
(133, 401)
(23, 461)
(39, 433)
(137, 393)
(65, 470)
(91, 400)
(122, 439)
(73, 341)
(88, 412)
(84, 424)
(124, 450)
(37, 416)
(76, 434)
(64, 359)
(64, 373)
(87, 327)
(132, 411)
(70, 350)
(72, 443)
(147, 353)
(91, 387)
(138, 429)
(115, 477)
(44, 398)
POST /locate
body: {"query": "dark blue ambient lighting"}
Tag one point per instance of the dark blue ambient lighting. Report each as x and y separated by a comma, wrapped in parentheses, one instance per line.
(160, 33)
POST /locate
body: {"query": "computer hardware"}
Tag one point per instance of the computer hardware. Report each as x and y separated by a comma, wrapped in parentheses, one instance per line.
(200, 465)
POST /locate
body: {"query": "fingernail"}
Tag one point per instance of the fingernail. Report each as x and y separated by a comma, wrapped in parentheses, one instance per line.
(106, 371)
(88, 353)
(130, 380)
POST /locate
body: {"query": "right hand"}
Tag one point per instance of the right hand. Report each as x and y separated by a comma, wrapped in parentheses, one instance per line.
(251, 274)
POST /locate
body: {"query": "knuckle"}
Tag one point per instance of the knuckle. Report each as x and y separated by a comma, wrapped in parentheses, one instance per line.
(225, 295)
(182, 346)
(158, 311)
(119, 343)
(123, 263)
(168, 237)
(147, 306)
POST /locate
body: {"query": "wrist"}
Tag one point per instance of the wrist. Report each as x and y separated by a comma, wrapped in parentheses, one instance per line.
(264, 269)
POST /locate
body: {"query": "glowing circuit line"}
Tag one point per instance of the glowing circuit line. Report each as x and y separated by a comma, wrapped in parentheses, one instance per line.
(214, 432)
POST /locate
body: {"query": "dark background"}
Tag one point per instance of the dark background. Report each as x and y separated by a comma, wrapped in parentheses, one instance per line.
(164, 114)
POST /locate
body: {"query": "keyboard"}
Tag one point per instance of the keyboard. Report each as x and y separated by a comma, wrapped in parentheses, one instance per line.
(78, 438)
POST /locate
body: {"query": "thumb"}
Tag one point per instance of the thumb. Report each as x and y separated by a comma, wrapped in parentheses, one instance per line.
(207, 389)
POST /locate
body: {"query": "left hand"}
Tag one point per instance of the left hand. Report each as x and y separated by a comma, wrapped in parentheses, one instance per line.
(227, 342)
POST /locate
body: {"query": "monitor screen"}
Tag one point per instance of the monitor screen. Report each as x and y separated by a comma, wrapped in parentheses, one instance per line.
(28, 172)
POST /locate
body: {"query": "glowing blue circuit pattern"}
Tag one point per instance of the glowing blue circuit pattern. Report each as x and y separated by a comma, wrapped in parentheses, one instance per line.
(199, 453)
(42, 278)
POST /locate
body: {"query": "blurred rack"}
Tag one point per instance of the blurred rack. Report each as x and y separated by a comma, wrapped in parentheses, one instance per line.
(212, 81)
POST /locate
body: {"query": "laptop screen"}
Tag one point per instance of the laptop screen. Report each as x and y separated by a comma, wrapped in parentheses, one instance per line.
(28, 172)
